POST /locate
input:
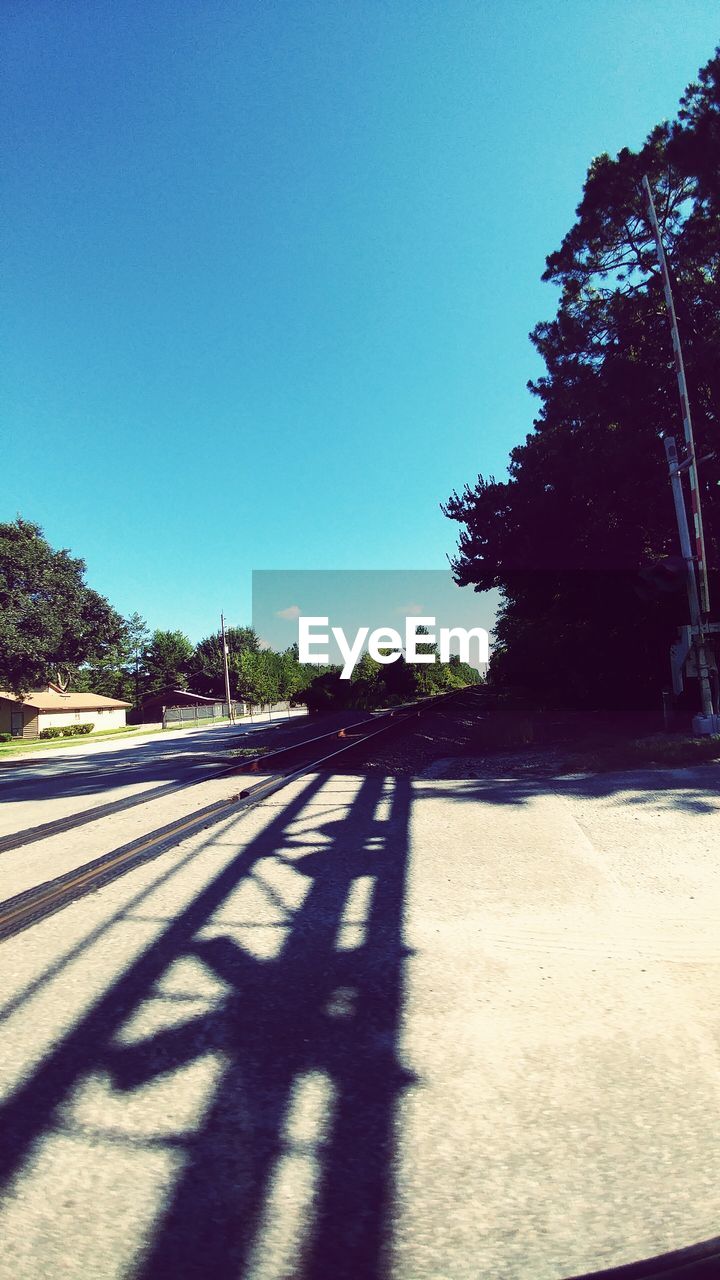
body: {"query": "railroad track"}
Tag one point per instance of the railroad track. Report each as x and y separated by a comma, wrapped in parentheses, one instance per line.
(35, 904)
(109, 808)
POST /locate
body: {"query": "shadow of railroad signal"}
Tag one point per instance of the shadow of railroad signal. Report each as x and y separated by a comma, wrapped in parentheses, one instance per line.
(293, 1153)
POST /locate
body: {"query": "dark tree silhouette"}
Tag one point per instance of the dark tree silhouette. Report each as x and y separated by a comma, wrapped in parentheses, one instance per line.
(588, 503)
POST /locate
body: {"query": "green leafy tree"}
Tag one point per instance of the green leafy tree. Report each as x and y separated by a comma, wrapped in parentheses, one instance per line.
(207, 670)
(168, 660)
(137, 639)
(262, 676)
(293, 674)
(51, 622)
(120, 673)
(429, 677)
(460, 674)
(327, 692)
(399, 680)
(367, 685)
(108, 675)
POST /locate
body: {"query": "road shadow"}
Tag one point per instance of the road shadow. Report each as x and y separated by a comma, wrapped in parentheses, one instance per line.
(694, 788)
(315, 1009)
(193, 757)
(161, 760)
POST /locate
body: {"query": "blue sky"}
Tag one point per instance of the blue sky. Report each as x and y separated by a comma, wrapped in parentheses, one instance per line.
(271, 268)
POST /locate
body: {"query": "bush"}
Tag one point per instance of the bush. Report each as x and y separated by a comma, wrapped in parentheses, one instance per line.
(5, 737)
(327, 692)
(67, 730)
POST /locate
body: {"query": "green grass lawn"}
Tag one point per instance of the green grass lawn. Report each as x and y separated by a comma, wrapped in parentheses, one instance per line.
(26, 746)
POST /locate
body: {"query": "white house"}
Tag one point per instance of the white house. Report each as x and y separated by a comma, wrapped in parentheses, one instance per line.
(53, 707)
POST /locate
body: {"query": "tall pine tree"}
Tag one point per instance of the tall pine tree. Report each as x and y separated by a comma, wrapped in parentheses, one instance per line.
(588, 503)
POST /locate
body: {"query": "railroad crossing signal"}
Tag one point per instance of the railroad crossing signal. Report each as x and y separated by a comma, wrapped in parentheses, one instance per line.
(690, 463)
(683, 658)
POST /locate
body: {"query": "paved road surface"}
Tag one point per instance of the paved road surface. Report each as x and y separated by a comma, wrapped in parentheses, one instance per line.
(43, 787)
(430, 1029)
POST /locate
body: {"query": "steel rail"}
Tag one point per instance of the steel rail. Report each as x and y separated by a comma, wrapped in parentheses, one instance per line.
(57, 826)
(32, 905)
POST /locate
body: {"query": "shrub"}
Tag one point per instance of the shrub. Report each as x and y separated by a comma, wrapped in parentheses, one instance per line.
(327, 692)
(5, 737)
(67, 730)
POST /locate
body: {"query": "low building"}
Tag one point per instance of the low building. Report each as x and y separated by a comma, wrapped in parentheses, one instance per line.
(171, 706)
(155, 704)
(53, 707)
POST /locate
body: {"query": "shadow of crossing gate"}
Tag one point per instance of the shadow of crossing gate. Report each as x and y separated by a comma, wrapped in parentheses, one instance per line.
(324, 1011)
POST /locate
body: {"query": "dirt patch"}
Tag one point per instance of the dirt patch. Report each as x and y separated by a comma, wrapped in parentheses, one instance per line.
(468, 737)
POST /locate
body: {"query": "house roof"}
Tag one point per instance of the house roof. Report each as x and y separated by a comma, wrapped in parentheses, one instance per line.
(53, 700)
(163, 694)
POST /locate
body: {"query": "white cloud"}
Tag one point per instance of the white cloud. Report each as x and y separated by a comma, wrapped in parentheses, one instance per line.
(292, 611)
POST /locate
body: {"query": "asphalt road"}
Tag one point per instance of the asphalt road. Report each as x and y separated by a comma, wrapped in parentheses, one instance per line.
(43, 788)
(438, 1028)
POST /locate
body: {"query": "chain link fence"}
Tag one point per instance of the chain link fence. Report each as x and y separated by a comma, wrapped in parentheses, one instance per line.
(206, 713)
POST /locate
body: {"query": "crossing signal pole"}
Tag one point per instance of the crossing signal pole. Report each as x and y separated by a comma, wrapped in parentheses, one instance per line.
(225, 668)
(696, 623)
(697, 579)
(690, 461)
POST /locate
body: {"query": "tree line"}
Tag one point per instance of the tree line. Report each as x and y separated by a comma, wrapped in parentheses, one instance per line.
(572, 536)
(375, 684)
(54, 627)
(145, 662)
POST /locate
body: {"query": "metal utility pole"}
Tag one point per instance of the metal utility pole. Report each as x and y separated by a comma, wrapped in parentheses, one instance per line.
(225, 668)
(690, 461)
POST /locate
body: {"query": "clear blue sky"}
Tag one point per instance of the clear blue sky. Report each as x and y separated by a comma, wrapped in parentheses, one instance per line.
(271, 267)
